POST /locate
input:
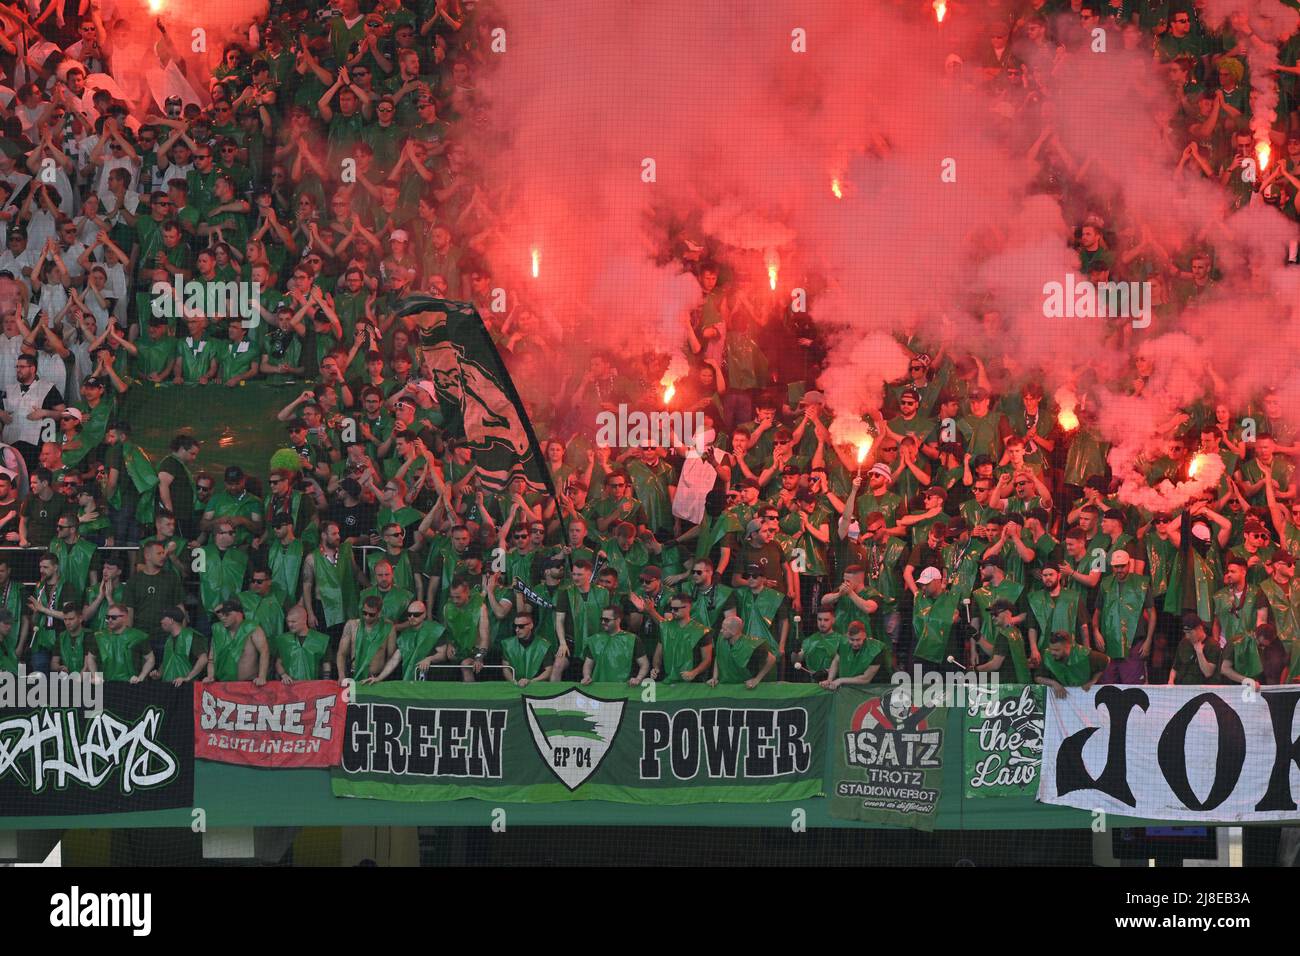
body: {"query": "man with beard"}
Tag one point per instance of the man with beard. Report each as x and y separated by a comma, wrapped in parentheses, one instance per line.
(1235, 604)
(417, 640)
(1054, 608)
(857, 661)
(818, 649)
(366, 642)
(684, 651)
(710, 598)
(1257, 658)
(1069, 664)
(612, 653)
(1124, 621)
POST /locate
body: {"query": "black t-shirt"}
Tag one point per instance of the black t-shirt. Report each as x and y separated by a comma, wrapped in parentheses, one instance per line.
(354, 521)
(43, 517)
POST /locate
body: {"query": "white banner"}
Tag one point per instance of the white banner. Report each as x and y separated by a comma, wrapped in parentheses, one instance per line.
(1205, 754)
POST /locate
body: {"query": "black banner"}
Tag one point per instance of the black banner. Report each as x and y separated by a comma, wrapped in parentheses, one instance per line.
(135, 754)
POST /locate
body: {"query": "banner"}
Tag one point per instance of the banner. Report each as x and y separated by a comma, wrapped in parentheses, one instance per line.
(1003, 743)
(1206, 754)
(888, 765)
(136, 754)
(477, 397)
(658, 744)
(277, 725)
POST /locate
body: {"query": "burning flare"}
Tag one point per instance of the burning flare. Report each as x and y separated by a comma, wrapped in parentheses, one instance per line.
(1067, 420)
(773, 262)
(1197, 463)
(940, 10)
(864, 448)
(1263, 151)
(835, 188)
(537, 260)
(155, 6)
(669, 392)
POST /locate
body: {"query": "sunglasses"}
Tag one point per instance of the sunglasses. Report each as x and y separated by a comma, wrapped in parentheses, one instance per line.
(414, 613)
(114, 617)
(520, 627)
(678, 607)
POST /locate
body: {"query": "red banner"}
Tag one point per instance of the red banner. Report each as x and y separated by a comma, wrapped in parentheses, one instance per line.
(279, 725)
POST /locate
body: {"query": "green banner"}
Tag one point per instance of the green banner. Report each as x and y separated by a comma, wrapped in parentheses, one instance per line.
(654, 744)
(888, 765)
(1003, 741)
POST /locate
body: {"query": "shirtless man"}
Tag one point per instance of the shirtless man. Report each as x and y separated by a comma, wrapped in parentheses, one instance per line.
(239, 648)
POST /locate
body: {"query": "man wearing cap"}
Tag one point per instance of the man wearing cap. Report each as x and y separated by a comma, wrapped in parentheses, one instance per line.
(760, 548)
(120, 651)
(995, 586)
(1002, 645)
(882, 557)
(857, 661)
(94, 412)
(185, 650)
(765, 610)
(1067, 663)
(1053, 608)
(1280, 604)
(934, 612)
(73, 643)
(237, 506)
(1197, 659)
(740, 658)
(1124, 621)
(650, 597)
(239, 648)
(876, 498)
(299, 651)
(1255, 550)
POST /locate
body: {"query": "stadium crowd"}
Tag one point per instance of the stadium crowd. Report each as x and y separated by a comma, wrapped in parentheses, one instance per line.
(982, 531)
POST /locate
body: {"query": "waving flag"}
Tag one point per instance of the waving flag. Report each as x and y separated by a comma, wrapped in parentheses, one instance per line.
(478, 400)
